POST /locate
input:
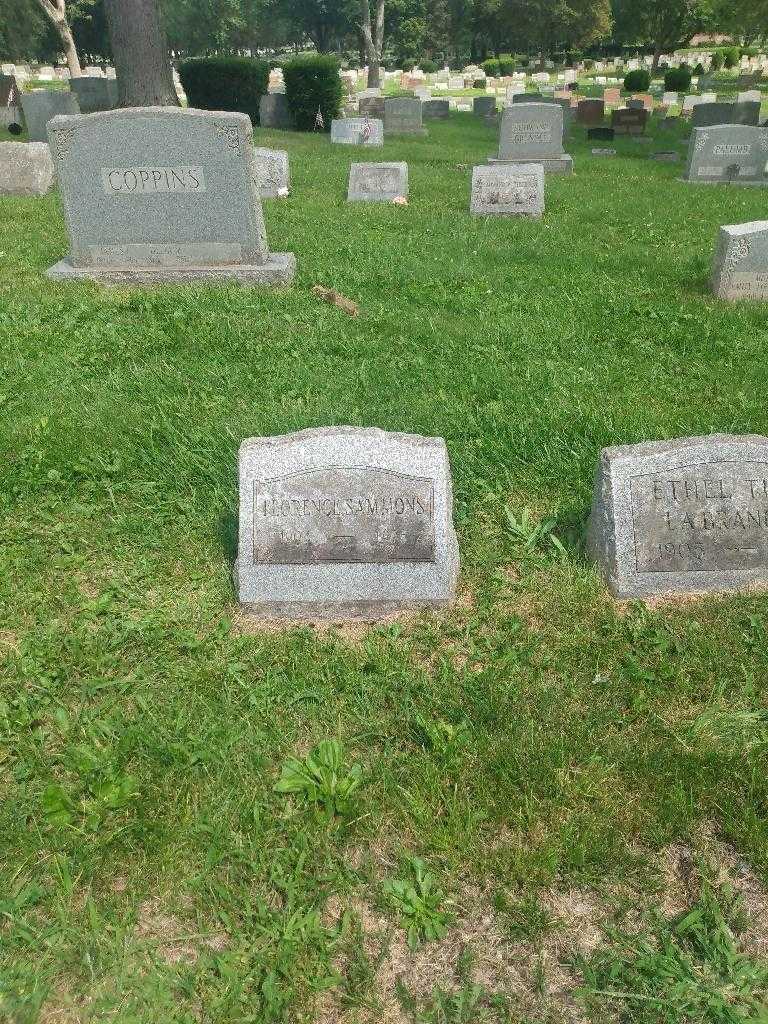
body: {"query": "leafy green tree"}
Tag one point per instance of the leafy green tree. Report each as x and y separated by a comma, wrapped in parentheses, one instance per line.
(664, 24)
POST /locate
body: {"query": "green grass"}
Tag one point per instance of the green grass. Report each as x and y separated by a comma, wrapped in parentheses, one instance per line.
(536, 737)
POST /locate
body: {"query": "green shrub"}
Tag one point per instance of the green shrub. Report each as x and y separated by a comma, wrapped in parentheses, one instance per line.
(717, 61)
(589, 65)
(225, 83)
(506, 63)
(492, 68)
(312, 84)
(730, 56)
(429, 67)
(637, 81)
(678, 79)
(699, 70)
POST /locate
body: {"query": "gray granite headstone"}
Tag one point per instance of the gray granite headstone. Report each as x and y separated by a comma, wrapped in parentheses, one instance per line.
(402, 116)
(41, 105)
(156, 194)
(94, 94)
(357, 131)
(731, 153)
(740, 269)
(682, 516)
(704, 115)
(272, 171)
(26, 169)
(344, 522)
(590, 113)
(508, 190)
(747, 112)
(372, 106)
(629, 121)
(377, 183)
(528, 97)
(274, 111)
(435, 110)
(533, 133)
(484, 106)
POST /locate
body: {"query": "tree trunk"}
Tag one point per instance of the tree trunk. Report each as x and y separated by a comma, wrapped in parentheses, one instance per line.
(57, 12)
(373, 39)
(656, 57)
(140, 52)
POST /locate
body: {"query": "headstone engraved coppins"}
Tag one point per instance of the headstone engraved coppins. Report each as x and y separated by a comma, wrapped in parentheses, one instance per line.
(682, 516)
(344, 522)
(511, 190)
(156, 194)
(740, 268)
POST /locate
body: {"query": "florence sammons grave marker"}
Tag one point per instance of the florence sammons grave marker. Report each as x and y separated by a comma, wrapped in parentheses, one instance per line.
(344, 522)
(741, 261)
(381, 182)
(155, 194)
(682, 516)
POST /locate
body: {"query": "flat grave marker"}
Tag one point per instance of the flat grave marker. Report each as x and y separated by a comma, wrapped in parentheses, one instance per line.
(377, 182)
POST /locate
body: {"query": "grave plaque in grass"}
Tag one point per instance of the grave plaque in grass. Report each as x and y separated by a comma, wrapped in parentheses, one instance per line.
(272, 172)
(41, 105)
(682, 516)
(162, 194)
(357, 131)
(402, 116)
(508, 190)
(604, 133)
(344, 522)
(26, 169)
(274, 112)
(629, 121)
(377, 183)
(730, 153)
(533, 133)
(740, 269)
(435, 110)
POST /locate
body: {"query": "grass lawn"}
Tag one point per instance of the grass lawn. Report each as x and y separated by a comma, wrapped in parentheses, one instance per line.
(540, 807)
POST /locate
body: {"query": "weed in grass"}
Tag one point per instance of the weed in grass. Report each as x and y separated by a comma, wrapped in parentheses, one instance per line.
(687, 970)
(322, 778)
(524, 919)
(470, 1004)
(534, 538)
(417, 899)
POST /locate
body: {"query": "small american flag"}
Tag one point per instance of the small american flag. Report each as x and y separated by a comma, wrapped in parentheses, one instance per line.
(367, 131)
(319, 120)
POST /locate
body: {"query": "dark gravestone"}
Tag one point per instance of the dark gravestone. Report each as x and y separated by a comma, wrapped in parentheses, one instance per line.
(435, 110)
(274, 112)
(746, 112)
(94, 94)
(705, 115)
(601, 133)
(626, 121)
(529, 97)
(635, 105)
(590, 112)
(484, 106)
(372, 106)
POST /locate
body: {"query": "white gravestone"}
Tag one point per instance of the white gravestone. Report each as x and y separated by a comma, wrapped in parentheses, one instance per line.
(344, 522)
(357, 131)
(162, 194)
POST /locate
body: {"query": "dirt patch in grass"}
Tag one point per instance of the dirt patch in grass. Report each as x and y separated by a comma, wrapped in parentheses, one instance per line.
(171, 938)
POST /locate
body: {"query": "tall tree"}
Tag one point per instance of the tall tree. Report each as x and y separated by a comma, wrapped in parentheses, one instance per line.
(665, 24)
(56, 10)
(373, 39)
(140, 53)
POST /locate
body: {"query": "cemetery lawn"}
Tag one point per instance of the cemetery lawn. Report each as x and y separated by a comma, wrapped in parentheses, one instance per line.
(545, 806)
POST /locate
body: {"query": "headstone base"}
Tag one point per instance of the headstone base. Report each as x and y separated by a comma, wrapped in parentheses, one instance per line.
(278, 271)
(421, 133)
(735, 181)
(552, 165)
(334, 611)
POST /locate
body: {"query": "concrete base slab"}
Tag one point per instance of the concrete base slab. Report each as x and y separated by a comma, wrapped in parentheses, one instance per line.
(278, 271)
(736, 182)
(552, 165)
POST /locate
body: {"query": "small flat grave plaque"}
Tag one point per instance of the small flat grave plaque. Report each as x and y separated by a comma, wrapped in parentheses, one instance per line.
(344, 522)
(377, 183)
(682, 516)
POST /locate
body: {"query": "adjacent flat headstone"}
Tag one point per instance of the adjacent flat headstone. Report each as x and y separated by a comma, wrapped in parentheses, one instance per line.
(41, 105)
(740, 269)
(731, 153)
(26, 169)
(705, 115)
(508, 190)
(603, 152)
(344, 523)
(628, 121)
(377, 183)
(372, 106)
(435, 110)
(162, 194)
(665, 156)
(603, 133)
(357, 131)
(402, 116)
(94, 94)
(274, 111)
(533, 133)
(590, 113)
(682, 516)
(484, 106)
(272, 172)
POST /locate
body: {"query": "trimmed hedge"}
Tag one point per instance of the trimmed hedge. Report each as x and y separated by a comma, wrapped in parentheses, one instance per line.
(678, 79)
(225, 83)
(429, 67)
(312, 83)
(637, 81)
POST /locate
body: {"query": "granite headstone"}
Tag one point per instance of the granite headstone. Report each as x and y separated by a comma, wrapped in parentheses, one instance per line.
(402, 116)
(41, 105)
(26, 169)
(357, 131)
(740, 268)
(377, 182)
(731, 153)
(94, 94)
(533, 133)
(272, 172)
(274, 111)
(508, 190)
(435, 110)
